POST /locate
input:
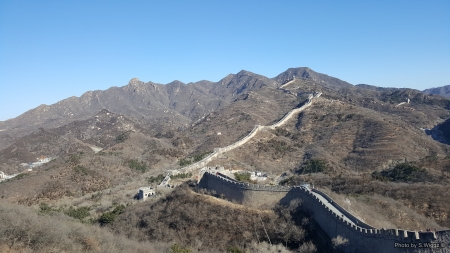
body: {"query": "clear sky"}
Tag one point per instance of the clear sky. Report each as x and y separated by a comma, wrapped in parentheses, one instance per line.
(51, 50)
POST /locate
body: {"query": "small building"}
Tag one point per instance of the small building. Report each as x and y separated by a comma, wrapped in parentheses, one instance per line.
(257, 175)
(305, 185)
(145, 192)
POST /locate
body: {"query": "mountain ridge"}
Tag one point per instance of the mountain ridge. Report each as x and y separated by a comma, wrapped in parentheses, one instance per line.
(442, 91)
(354, 132)
(145, 100)
(181, 104)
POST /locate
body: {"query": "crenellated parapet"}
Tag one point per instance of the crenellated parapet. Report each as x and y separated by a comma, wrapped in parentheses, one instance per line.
(332, 218)
(247, 186)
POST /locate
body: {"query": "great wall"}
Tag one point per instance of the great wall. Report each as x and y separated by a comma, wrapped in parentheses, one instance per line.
(4, 176)
(256, 129)
(331, 217)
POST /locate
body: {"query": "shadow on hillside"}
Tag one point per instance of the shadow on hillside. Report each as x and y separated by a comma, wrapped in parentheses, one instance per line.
(437, 135)
(300, 215)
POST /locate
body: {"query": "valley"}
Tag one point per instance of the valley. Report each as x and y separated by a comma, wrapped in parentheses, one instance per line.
(357, 144)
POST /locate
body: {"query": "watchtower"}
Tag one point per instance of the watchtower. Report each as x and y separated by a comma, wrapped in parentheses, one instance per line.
(145, 192)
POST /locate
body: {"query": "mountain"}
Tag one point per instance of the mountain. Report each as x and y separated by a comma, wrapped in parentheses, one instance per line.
(175, 103)
(442, 91)
(137, 99)
(308, 74)
(376, 147)
(95, 133)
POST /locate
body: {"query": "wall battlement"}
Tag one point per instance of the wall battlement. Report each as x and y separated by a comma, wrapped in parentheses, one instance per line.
(331, 217)
(255, 130)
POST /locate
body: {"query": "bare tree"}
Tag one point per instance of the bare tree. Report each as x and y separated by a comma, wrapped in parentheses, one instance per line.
(307, 247)
(339, 242)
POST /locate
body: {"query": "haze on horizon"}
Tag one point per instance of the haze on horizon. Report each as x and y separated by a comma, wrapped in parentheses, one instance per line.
(52, 50)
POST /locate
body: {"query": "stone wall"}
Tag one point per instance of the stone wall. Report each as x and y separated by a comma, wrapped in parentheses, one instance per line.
(252, 195)
(361, 237)
(3, 176)
(345, 212)
(255, 130)
(294, 111)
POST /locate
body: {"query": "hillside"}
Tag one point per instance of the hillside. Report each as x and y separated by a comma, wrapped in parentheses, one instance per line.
(372, 146)
(442, 91)
(175, 103)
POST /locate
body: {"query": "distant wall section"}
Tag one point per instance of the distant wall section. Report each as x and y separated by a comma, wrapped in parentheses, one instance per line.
(219, 151)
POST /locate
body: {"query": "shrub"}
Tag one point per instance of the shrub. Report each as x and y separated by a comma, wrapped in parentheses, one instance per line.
(287, 181)
(234, 249)
(181, 175)
(74, 159)
(96, 196)
(179, 249)
(46, 209)
(242, 176)
(78, 213)
(199, 157)
(123, 136)
(403, 172)
(314, 166)
(110, 217)
(194, 159)
(279, 131)
(135, 164)
(20, 176)
(156, 179)
(184, 162)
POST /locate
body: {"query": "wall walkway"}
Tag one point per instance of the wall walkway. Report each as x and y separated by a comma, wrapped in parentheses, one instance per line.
(331, 217)
(255, 130)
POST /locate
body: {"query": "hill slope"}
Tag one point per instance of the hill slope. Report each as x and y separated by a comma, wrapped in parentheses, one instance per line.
(345, 141)
(442, 91)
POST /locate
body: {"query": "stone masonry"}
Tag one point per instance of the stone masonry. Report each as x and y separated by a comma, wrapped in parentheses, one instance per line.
(331, 217)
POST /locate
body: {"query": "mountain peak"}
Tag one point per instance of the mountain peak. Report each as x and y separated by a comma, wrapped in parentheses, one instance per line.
(175, 83)
(245, 72)
(309, 74)
(134, 81)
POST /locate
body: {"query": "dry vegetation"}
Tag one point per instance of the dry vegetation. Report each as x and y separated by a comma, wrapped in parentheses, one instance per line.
(183, 220)
(193, 221)
(353, 143)
(386, 204)
(24, 230)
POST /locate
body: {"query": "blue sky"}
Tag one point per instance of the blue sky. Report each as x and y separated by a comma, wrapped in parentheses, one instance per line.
(51, 50)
